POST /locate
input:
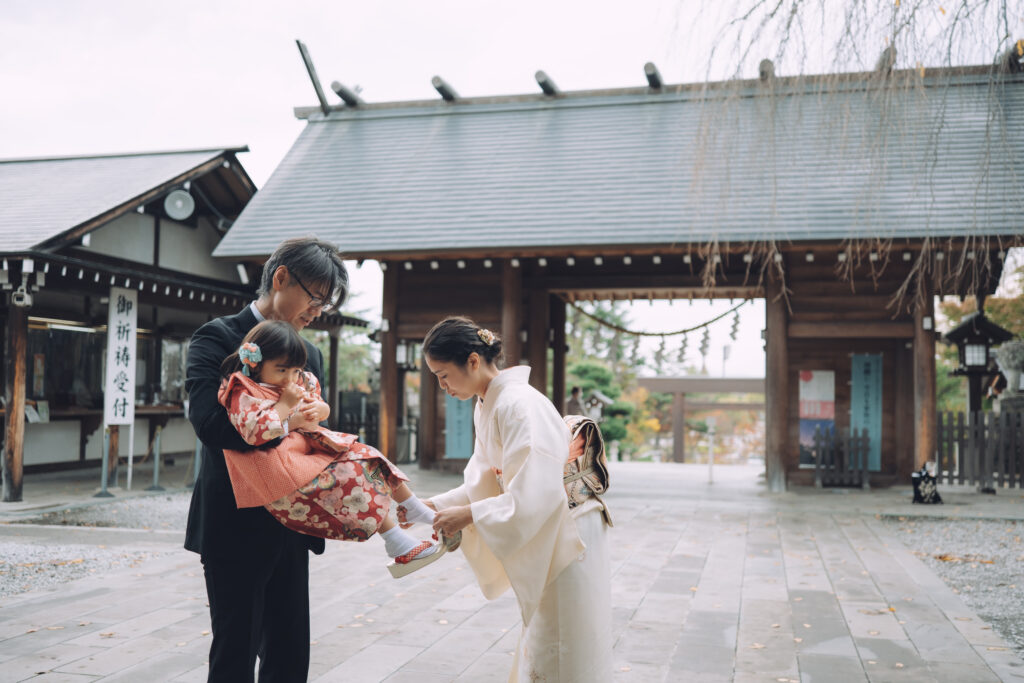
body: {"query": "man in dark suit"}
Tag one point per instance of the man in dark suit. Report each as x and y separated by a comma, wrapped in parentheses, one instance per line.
(257, 571)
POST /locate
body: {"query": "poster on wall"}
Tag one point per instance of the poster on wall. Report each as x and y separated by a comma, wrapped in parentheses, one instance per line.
(817, 409)
(866, 402)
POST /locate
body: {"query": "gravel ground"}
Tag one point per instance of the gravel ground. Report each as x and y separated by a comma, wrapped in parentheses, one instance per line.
(981, 560)
(167, 511)
(26, 566)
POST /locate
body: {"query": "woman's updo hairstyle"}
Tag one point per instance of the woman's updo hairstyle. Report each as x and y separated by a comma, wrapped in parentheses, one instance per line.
(453, 339)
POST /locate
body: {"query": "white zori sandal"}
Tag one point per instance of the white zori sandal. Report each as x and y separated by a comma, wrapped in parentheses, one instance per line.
(414, 559)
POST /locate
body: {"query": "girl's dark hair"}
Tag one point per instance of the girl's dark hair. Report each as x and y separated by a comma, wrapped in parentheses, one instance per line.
(276, 339)
(453, 339)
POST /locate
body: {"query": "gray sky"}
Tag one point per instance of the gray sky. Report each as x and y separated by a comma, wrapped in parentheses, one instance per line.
(105, 76)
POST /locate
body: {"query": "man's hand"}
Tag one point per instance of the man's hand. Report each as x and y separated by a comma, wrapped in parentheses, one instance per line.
(453, 519)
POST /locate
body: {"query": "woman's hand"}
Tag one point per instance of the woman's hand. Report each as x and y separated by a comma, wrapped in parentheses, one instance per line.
(453, 519)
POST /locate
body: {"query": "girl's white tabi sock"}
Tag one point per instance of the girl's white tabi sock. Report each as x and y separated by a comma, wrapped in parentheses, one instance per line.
(416, 511)
(397, 542)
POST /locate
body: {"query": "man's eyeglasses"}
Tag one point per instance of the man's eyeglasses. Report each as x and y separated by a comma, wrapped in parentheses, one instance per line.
(314, 300)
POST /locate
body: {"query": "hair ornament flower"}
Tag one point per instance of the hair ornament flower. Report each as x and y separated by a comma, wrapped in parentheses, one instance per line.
(486, 336)
(250, 355)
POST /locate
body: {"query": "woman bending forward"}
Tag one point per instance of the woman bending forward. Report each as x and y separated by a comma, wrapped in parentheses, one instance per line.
(512, 508)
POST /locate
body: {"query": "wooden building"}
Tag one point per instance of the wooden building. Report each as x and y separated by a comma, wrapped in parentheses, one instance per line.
(846, 203)
(70, 230)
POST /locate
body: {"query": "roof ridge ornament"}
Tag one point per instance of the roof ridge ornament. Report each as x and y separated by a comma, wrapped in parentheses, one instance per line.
(546, 84)
(442, 87)
(654, 78)
(350, 96)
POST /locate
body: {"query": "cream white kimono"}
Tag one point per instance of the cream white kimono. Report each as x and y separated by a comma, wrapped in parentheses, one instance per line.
(524, 535)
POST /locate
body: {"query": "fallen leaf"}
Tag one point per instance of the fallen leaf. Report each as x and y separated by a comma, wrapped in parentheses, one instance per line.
(757, 646)
(204, 633)
(898, 665)
(872, 633)
(442, 621)
(798, 640)
(108, 634)
(993, 648)
(54, 628)
(624, 668)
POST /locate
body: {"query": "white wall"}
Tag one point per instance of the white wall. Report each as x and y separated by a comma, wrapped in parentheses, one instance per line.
(129, 237)
(188, 250)
(57, 442)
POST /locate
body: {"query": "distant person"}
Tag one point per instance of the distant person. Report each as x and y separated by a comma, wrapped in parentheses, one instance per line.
(574, 406)
(316, 481)
(256, 570)
(520, 529)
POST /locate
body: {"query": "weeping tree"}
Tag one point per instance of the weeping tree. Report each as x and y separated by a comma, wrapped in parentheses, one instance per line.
(875, 79)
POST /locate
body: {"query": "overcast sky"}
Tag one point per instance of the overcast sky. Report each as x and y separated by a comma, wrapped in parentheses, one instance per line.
(102, 76)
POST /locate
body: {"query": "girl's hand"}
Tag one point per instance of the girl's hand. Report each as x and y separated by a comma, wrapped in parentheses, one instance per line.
(453, 519)
(317, 411)
(291, 394)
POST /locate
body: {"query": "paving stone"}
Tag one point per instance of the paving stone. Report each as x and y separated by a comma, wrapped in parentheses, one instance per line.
(957, 672)
(371, 664)
(455, 652)
(816, 668)
(116, 658)
(43, 660)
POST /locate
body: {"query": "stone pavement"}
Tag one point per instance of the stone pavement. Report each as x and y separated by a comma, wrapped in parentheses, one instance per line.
(711, 582)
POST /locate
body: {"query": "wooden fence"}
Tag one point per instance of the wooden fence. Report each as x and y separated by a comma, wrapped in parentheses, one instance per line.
(981, 449)
(841, 460)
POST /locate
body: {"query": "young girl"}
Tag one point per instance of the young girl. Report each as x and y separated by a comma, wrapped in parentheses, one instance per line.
(522, 530)
(315, 481)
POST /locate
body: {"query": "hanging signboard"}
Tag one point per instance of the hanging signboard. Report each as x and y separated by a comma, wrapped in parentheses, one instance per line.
(119, 389)
(817, 409)
(866, 402)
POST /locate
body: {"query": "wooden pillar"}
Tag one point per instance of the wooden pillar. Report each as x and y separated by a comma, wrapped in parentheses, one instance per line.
(678, 427)
(427, 437)
(332, 379)
(389, 367)
(557, 307)
(538, 339)
(776, 386)
(924, 380)
(14, 440)
(511, 309)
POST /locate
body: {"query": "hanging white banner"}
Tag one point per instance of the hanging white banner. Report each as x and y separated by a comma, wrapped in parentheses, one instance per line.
(119, 389)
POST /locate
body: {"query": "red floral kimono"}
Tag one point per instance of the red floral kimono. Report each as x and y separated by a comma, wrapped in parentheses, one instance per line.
(317, 482)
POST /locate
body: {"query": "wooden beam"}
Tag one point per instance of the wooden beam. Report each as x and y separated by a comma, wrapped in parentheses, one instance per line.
(389, 388)
(851, 330)
(925, 401)
(429, 428)
(776, 387)
(332, 378)
(511, 312)
(557, 307)
(679, 427)
(537, 340)
(14, 442)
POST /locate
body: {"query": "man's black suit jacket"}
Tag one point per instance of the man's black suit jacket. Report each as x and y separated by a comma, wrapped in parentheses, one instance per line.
(217, 529)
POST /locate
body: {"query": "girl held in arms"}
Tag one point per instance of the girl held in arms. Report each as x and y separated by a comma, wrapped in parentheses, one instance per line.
(318, 482)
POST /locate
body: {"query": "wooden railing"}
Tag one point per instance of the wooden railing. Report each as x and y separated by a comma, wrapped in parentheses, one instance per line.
(981, 449)
(841, 460)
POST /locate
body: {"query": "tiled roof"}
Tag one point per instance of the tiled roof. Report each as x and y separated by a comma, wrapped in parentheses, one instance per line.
(940, 155)
(42, 198)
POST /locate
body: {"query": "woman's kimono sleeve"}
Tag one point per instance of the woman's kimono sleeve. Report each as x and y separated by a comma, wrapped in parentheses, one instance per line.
(528, 527)
(256, 420)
